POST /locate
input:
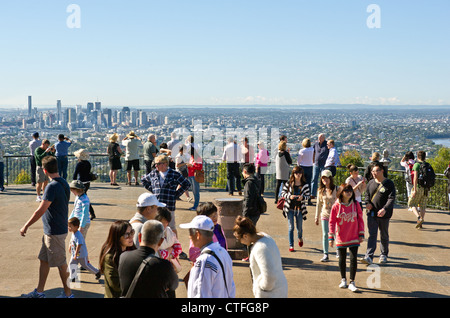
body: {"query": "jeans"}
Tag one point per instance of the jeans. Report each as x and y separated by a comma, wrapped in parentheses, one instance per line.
(317, 170)
(2, 177)
(33, 170)
(233, 177)
(298, 219)
(373, 225)
(325, 229)
(63, 162)
(195, 191)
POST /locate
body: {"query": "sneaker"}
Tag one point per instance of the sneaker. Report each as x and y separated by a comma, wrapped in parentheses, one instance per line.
(343, 283)
(291, 249)
(98, 275)
(300, 242)
(190, 199)
(33, 294)
(2, 189)
(38, 198)
(419, 223)
(383, 259)
(366, 260)
(247, 259)
(324, 258)
(352, 287)
(63, 295)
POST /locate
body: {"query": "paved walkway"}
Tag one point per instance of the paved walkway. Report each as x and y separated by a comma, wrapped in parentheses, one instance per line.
(418, 264)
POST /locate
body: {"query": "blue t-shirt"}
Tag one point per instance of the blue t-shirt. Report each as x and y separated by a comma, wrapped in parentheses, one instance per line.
(56, 217)
(62, 148)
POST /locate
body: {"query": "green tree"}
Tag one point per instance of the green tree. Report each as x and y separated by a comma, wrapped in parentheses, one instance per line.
(23, 178)
(221, 180)
(441, 161)
(351, 157)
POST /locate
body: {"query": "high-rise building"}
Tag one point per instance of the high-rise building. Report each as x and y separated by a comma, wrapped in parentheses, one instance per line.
(29, 106)
(58, 110)
(98, 106)
(90, 107)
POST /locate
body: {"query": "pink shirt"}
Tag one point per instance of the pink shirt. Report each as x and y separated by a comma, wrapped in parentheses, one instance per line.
(346, 224)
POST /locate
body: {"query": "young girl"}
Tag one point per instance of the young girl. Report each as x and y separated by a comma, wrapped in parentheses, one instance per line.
(357, 182)
(120, 239)
(80, 206)
(347, 228)
(295, 193)
(326, 196)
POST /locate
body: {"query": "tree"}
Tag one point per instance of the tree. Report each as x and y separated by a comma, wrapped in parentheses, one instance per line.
(22, 178)
(441, 161)
(351, 157)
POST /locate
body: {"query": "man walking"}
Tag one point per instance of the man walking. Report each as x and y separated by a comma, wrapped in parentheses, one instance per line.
(54, 211)
(32, 145)
(319, 158)
(380, 198)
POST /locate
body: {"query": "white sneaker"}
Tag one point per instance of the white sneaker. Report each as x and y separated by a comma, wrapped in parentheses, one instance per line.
(324, 258)
(343, 283)
(352, 287)
(38, 198)
(383, 259)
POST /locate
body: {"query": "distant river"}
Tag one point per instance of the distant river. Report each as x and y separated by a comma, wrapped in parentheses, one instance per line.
(442, 141)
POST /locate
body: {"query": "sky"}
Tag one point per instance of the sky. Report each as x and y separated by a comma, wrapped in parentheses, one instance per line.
(224, 52)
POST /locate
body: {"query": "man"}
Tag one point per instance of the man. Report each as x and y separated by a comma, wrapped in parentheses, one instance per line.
(319, 158)
(62, 151)
(333, 158)
(172, 145)
(2, 167)
(54, 211)
(373, 160)
(41, 178)
(247, 151)
(132, 155)
(158, 276)
(32, 145)
(167, 184)
(251, 193)
(150, 152)
(212, 274)
(380, 198)
(232, 156)
(419, 194)
(147, 207)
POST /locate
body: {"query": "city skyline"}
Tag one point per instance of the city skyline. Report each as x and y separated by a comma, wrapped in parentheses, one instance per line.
(150, 54)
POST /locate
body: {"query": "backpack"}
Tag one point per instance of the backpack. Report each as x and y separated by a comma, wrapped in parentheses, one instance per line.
(427, 177)
(410, 177)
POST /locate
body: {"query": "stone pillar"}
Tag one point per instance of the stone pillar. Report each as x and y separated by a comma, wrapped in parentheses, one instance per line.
(228, 209)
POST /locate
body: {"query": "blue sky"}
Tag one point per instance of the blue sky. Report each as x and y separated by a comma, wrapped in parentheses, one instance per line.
(225, 52)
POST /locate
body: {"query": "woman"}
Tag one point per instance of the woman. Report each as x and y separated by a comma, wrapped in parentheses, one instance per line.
(347, 229)
(305, 160)
(408, 162)
(447, 174)
(326, 196)
(265, 260)
(83, 173)
(181, 165)
(195, 163)
(295, 193)
(120, 239)
(357, 182)
(261, 160)
(283, 163)
(114, 153)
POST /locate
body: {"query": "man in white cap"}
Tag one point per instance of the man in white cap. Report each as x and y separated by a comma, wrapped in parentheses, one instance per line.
(212, 274)
(147, 207)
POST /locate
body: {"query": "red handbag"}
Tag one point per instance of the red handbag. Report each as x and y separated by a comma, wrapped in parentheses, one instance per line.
(280, 203)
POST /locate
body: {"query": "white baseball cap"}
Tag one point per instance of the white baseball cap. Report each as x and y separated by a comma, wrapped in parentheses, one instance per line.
(200, 222)
(148, 199)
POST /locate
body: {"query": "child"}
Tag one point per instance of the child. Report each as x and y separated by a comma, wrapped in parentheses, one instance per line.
(80, 206)
(357, 182)
(79, 254)
(347, 228)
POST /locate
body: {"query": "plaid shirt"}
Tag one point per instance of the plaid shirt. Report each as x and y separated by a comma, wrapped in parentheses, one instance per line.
(167, 192)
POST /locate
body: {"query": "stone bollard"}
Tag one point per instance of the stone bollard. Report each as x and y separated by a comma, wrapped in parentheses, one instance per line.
(228, 209)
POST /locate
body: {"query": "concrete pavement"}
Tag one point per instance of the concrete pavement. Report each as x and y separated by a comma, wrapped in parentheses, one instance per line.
(418, 262)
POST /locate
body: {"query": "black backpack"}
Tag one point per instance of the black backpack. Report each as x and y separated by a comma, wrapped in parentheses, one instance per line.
(427, 177)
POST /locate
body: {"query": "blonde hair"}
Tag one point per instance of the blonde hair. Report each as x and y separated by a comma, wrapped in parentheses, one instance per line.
(306, 143)
(282, 146)
(162, 158)
(114, 137)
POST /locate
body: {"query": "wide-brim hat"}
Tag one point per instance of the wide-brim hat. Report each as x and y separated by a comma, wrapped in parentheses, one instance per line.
(114, 137)
(131, 135)
(81, 154)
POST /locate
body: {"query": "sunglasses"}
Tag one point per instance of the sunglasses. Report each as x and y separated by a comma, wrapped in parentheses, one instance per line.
(127, 235)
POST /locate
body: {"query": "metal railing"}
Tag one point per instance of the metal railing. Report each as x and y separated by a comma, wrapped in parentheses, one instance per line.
(18, 171)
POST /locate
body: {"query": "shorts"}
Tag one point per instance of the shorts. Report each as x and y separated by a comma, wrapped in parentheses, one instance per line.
(419, 199)
(133, 164)
(40, 175)
(53, 250)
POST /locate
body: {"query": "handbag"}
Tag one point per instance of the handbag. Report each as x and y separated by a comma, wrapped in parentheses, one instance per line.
(280, 203)
(199, 176)
(93, 176)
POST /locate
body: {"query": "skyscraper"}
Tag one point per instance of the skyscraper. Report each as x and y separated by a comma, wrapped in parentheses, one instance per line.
(58, 110)
(29, 106)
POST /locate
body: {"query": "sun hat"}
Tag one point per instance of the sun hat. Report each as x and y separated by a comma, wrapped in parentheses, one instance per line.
(131, 135)
(77, 184)
(81, 154)
(148, 199)
(200, 222)
(114, 137)
(326, 173)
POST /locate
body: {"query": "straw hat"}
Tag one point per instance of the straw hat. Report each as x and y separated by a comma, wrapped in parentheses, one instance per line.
(114, 137)
(81, 154)
(131, 135)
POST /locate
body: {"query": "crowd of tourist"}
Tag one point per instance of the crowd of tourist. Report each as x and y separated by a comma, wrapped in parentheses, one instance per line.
(139, 257)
